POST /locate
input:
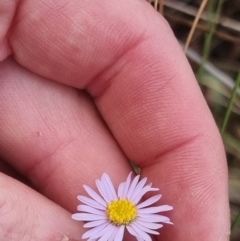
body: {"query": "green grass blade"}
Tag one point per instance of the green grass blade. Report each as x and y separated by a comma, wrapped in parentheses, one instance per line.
(235, 222)
(230, 104)
(208, 39)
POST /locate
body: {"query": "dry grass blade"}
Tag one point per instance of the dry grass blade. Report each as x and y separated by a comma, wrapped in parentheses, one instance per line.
(205, 29)
(161, 4)
(199, 13)
(192, 11)
(155, 4)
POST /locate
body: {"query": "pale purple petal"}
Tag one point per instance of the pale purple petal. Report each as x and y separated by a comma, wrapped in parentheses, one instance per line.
(132, 231)
(113, 234)
(149, 201)
(119, 235)
(102, 232)
(132, 186)
(141, 233)
(87, 217)
(158, 209)
(138, 188)
(101, 189)
(108, 234)
(105, 188)
(139, 239)
(146, 230)
(90, 202)
(146, 189)
(88, 209)
(150, 225)
(153, 218)
(94, 223)
(110, 187)
(94, 195)
(97, 182)
(93, 231)
(126, 186)
(120, 189)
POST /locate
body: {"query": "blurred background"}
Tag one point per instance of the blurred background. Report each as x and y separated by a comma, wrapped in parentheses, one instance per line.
(209, 32)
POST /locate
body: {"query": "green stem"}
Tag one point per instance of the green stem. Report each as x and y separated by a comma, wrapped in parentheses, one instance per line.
(208, 39)
(230, 104)
(235, 222)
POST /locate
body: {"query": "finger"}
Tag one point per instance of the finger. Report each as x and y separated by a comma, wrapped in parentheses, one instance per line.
(148, 97)
(10, 171)
(26, 215)
(59, 140)
(72, 42)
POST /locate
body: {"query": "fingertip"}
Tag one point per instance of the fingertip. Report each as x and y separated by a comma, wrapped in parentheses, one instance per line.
(26, 214)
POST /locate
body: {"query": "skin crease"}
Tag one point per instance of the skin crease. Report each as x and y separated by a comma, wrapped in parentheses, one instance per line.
(144, 104)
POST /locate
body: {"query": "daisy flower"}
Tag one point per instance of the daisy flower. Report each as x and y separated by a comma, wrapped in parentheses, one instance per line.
(108, 214)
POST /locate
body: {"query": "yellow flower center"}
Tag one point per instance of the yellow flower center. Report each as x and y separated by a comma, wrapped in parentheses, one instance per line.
(121, 212)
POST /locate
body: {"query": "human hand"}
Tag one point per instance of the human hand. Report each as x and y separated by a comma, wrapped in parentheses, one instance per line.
(151, 112)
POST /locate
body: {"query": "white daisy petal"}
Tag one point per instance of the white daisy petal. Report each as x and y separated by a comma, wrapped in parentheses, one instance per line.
(139, 239)
(106, 190)
(126, 186)
(94, 223)
(153, 218)
(132, 186)
(132, 231)
(149, 201)
(158, 209)
(90, 202)
(141, 233)
(142, 193)
(113, 234)
(169, 223)
(147, 230)
(101, 189)
(119, 235)
(93, 231)
(94, 195)
(108, 234)
(110, 186)
(88, 209)
(102, 232)
(138, 188)
(87, 217)
(150, 225)
(120, 189)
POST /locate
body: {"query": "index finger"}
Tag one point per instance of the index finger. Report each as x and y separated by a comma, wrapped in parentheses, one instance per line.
(130, 62)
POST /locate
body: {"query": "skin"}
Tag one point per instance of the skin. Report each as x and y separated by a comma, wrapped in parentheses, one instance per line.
(86, 86)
